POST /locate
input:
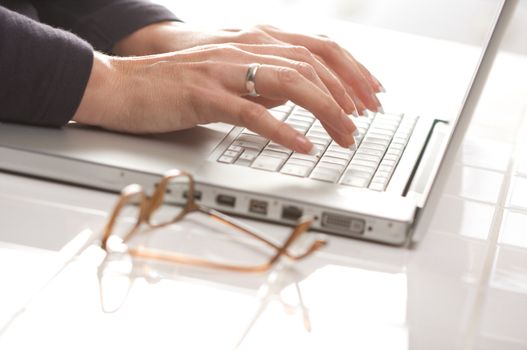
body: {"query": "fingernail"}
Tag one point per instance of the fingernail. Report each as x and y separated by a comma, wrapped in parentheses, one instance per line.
(350, 105)
(364, 112)
(380, 110)
(355, 114)
(303, 145)
(353, 147)
(356, 133)
(379, 85)
(377, 102)
(350, 126)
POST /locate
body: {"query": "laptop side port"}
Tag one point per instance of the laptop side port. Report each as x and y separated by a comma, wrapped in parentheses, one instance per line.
(290, 212)
(226, 200)
(258, 207)
(197, 195)
(343, 222)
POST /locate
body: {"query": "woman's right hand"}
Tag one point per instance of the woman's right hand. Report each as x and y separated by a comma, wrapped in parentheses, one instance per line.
(179, 90)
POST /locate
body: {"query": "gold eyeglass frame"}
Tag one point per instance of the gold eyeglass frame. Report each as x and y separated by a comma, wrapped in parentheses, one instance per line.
(148, 205)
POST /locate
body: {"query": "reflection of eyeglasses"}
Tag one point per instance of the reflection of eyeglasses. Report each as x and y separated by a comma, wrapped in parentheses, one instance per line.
(150, 210)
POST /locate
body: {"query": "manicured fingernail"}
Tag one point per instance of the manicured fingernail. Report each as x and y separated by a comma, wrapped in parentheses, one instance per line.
(380, 110)
(350, 105)
(364, 112)
(356, 133)
(377, 102)
(350, 126)
(379, 85)
(361, 108)
(303, 145)
(353, 147)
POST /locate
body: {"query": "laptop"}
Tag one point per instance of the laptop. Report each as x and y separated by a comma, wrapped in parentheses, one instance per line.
(377, 192)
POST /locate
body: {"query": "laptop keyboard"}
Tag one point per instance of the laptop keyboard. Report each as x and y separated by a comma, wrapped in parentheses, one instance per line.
(382, 140)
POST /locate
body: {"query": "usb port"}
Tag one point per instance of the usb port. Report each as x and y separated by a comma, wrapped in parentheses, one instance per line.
(226, 200)
(290, 212)
(197, 195)
(258, 207)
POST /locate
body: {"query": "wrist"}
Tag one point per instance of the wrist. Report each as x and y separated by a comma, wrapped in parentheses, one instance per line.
(101, 96)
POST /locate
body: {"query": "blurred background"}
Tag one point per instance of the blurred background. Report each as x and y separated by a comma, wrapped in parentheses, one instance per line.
(442, 19)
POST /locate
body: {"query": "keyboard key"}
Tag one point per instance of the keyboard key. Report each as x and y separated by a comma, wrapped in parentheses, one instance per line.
(279, 115)
(296, 170)
(333, 160)
(338, 167)
(232, 154)
(389, 163)
(226, 159)
(319, 141)
(301, 162)
(249, 155)
(351, 173)
(340, 155)
(355, 181)
(273, 146)
(243, 162)
(368, 151)
(283, 108)
(325, 174)
(369, 140)
(296, 155)
(367, 157)
(266, 162)
(248, 144)
(390, 156)
(366, 169)
(377, 186)
(385, 168)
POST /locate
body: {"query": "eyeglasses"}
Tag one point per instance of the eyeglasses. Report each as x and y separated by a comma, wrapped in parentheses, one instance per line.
(155, 212)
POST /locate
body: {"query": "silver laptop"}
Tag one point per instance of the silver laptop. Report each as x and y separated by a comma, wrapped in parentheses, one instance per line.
(376, 192)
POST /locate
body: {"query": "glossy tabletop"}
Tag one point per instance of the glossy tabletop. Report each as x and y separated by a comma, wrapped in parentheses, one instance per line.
(464, 286)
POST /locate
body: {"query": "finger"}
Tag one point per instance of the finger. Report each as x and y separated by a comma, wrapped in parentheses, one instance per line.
(345, 140)
(345, 66)
(266, 102)
(276, 82)
(237, 110)
(378, 86)
(373, 80)
(221, 54)
(359, 106)
(301, 54)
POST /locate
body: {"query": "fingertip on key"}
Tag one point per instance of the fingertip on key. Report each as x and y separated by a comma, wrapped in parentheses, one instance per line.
(303, 145)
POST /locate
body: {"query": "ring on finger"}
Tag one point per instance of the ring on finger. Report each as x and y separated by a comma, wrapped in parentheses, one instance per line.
(250, 80)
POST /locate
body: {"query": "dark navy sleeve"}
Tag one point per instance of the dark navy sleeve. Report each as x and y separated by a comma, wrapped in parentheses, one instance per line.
(43, 71)
(101, 22)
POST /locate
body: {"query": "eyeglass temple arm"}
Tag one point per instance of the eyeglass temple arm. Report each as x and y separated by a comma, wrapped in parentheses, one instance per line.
(231, 222)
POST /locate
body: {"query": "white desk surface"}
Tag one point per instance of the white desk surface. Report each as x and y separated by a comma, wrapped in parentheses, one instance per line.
(464, 286)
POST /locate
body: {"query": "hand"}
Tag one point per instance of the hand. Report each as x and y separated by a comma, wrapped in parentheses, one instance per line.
(359, 83)
(178, 90)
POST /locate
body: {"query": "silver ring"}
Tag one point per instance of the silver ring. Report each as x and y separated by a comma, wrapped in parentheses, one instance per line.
(250, 79)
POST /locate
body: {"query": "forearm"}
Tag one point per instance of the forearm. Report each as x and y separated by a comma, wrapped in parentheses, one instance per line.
(102, 22)
(43, 71)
